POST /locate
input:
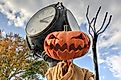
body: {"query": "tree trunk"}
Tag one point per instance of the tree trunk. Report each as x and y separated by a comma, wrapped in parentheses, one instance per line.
(94, 49)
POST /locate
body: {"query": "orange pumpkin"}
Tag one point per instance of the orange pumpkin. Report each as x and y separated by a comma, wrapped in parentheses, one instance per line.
(65, 45)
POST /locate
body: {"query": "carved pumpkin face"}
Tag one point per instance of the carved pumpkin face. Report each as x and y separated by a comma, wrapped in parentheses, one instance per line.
(66, 45)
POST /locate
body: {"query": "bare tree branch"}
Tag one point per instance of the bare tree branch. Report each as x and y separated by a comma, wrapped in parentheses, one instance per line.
(92, 20)
(96, 18)
(103, 22)
(89, 22)
(90, 32)
(106, 25)
(95, 36)
(14, 74)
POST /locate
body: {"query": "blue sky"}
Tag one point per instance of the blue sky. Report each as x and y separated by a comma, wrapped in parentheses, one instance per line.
(14, 15)
(10, 28)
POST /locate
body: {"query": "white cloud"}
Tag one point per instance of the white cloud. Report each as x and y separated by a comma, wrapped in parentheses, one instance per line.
(77, 7)
(15, 16)
(100, 60)
(102, 77)
(115, 65)
(3, 33)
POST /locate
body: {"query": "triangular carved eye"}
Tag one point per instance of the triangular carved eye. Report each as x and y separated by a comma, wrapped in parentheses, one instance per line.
(52, 37)
(78, 37)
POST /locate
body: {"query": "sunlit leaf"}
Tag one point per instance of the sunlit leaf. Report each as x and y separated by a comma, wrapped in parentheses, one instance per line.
(14, 59)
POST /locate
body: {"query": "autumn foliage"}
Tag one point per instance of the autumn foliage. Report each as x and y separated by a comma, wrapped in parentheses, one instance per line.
(15, 60)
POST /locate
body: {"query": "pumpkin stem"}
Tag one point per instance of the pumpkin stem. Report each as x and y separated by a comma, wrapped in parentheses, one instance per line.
(65, 27)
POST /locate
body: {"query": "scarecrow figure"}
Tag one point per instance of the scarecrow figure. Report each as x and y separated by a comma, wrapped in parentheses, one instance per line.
(54, 35)
(63, 71)
(66, 45)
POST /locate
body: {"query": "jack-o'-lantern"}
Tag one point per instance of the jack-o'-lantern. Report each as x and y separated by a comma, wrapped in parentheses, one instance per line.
(65, 45)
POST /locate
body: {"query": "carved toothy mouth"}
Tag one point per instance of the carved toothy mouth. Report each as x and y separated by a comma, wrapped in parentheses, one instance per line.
(64, 47)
